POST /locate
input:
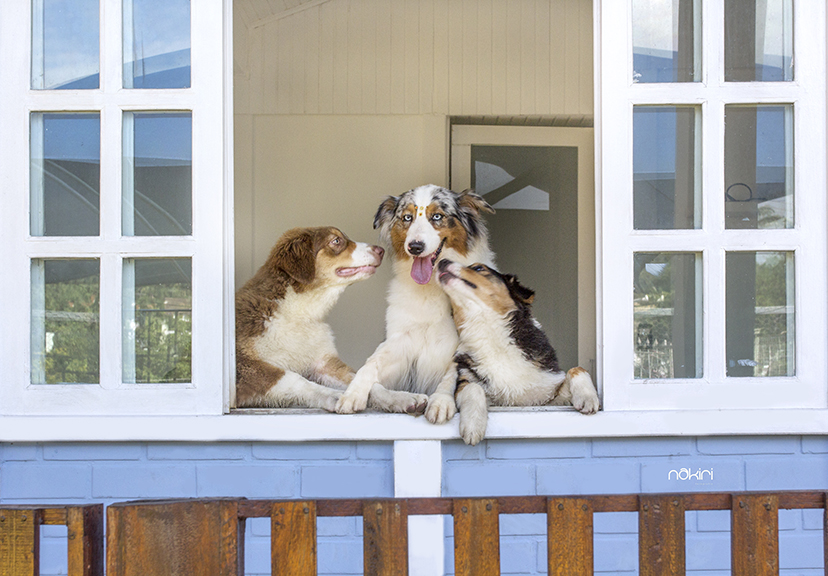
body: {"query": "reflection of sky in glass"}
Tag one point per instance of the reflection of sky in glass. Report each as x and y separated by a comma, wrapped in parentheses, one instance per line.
(70, 43)
(159, 54)
(163, 139)
(72, 137)
(654, 140)
(654, 27)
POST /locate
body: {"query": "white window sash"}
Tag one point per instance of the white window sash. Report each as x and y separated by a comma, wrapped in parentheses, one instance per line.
(209, 248)
(616, 96)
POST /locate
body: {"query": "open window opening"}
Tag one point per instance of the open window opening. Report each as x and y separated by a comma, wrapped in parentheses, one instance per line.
(339, 104)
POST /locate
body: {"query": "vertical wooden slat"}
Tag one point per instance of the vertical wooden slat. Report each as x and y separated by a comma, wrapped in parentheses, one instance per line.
(175, 538)
(569, 534)
(476, 537)
(661, 550)
(825, 531)
(85, 540)
(293, 538)
(385, 540)
(755, 535)
(19, 542)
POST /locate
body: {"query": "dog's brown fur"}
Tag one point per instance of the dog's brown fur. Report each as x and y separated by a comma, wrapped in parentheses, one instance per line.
(292, 292)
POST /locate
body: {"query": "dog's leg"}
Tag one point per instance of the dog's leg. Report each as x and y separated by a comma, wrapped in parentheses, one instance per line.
(385, 400)
(473, 406)
(441, 404)
(333, 372)
(293, 390)
(584, 395)
(386, 364)
(578, 391)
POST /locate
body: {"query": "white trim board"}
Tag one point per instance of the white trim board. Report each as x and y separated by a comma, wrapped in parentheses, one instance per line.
(503, 424)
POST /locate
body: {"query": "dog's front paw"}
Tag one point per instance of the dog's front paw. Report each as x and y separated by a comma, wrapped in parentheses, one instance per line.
(441, 408)
(329, 403)
(472, 429)
(350, 403)
(586, 403)
(397, 401)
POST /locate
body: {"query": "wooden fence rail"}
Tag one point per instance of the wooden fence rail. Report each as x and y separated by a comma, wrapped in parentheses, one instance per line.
(20, 538)
(206, 536)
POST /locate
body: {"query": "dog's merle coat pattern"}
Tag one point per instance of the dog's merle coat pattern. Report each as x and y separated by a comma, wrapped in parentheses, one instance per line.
(419, 227)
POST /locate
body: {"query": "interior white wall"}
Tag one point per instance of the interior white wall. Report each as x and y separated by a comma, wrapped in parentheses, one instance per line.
(343, 102)
(331, 170)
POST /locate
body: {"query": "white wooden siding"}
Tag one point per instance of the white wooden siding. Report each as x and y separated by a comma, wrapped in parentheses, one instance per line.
(453, 57)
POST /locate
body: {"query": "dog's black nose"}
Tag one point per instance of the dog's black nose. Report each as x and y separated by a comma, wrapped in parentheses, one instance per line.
(416, 247)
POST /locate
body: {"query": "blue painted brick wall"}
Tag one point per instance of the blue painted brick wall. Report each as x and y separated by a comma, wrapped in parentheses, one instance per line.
(91, 472)
(102, 472)
(615, 466)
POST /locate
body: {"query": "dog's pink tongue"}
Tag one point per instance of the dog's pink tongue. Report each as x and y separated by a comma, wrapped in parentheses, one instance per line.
(421, 270)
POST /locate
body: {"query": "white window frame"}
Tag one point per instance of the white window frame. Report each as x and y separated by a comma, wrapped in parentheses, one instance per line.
(200, 414)
(618, 95)
(209, 99)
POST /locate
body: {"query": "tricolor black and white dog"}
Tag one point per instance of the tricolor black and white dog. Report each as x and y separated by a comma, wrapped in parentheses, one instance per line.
(421, 226)
(504, 358)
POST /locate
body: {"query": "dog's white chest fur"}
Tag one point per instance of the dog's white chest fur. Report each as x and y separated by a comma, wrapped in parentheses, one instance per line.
(296, 333)
(512, 379)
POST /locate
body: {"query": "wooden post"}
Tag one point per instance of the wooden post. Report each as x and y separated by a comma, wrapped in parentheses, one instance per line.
(85, 540)
(569, 537)
(19, 542)
(825, 531)
(174, 538)
(293, 538)
(476, 537)
(755, 535)
(385, 538)
(661, 549)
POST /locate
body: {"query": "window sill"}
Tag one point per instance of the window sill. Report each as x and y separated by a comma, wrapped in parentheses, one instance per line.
(315, 426)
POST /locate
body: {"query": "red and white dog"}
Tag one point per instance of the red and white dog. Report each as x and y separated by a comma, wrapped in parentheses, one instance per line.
(285, 353)
(420, 226)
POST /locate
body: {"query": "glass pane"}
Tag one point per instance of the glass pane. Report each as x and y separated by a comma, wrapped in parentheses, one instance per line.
(534, 190)
(158, 302)
(665, 37)
(666, 167)
(65, 321)
(760, 314)
(156, 43)
(158, 153)
(758, 40)
(65, 44)
(759, 185)
(667, 311)
(65, 174)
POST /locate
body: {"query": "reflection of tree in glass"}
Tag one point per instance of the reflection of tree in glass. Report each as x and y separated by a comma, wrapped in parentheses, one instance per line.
(770, 326)
(71, 329)
(653, 290)
(653, 303)
(163, 333)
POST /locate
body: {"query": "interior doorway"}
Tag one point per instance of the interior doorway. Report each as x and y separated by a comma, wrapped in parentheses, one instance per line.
(540, 180)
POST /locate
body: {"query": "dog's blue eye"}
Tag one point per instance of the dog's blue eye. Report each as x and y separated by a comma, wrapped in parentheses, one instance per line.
(407, 218)
(437, 217)
(478, 268)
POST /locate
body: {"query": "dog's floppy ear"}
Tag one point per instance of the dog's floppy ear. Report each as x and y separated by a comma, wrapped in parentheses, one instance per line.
(517, 290)
(295, 254)
(469, 200)
(385, 211)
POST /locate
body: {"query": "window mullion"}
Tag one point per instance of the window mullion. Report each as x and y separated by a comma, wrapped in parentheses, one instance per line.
(111, 53)
(110, 323)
